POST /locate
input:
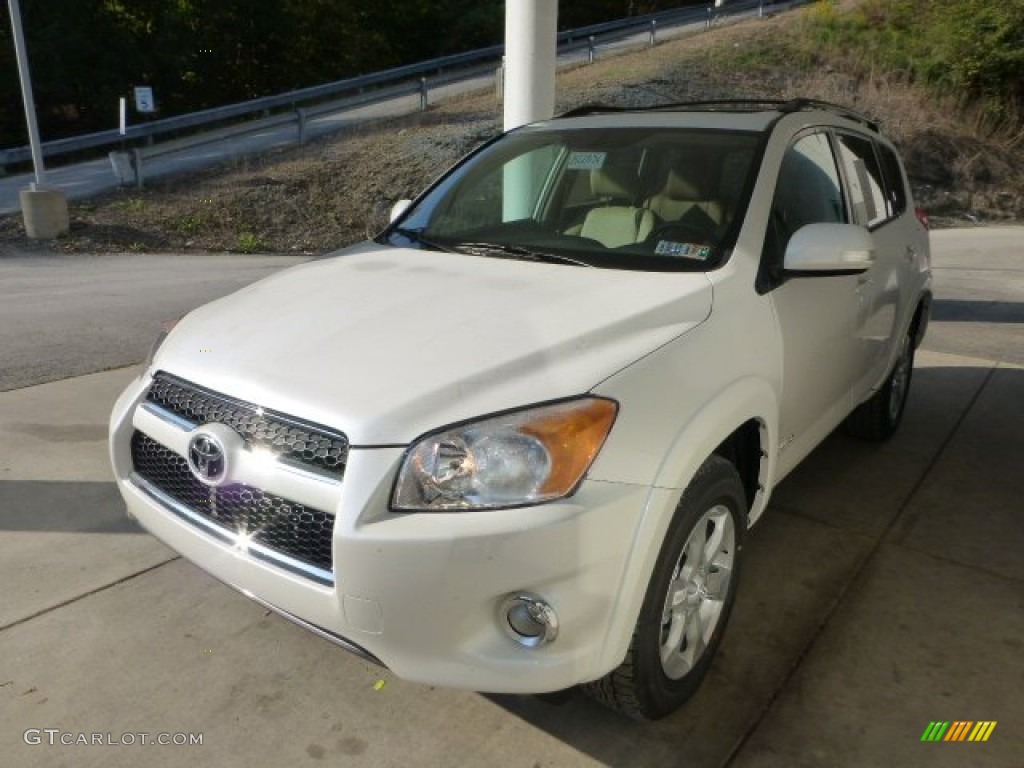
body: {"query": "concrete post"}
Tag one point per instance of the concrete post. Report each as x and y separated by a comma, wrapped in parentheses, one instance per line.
(45, 213)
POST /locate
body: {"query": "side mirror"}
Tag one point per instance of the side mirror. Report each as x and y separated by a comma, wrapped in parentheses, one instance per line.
(398, 209)
(829, 249)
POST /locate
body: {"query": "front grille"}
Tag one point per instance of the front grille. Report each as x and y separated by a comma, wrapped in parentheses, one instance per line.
(277, 524)
(293, 441)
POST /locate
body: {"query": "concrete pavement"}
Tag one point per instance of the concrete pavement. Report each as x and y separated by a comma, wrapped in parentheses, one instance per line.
(884, 589)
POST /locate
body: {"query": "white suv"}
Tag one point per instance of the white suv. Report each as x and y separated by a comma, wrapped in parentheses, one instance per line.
(514, 443)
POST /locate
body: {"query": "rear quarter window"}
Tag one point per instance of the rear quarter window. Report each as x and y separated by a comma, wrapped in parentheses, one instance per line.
(895, 191)
(864, 180)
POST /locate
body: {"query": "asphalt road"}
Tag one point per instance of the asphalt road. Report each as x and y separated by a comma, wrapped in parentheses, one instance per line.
(65, 315)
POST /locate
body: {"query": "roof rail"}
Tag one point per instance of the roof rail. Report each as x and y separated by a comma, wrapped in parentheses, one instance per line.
(591, 109)
(802, 104)
(785, 106)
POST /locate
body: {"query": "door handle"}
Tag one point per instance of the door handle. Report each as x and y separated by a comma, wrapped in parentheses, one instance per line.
(864, 279)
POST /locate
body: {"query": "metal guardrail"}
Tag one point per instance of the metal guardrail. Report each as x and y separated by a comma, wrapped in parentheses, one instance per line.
(417, 78)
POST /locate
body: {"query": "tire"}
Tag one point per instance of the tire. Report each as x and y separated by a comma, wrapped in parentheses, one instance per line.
(688, 600)
(878, 417)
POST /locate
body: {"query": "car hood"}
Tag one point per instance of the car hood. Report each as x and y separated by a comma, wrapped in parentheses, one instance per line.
(388, 343)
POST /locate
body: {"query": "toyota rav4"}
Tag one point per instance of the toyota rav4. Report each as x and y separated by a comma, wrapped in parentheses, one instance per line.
(514, 443)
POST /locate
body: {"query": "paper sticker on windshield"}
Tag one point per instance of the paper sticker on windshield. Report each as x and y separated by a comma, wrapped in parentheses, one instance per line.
(586, 161)
(686, 250)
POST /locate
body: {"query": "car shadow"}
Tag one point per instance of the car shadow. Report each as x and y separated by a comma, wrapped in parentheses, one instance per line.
(64, 507)
(974, 311)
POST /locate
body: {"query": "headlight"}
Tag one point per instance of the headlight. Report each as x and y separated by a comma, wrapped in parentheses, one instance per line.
(519, 458)
(165, 328)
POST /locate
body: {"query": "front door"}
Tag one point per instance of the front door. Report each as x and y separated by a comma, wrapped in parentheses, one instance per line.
(816, 315)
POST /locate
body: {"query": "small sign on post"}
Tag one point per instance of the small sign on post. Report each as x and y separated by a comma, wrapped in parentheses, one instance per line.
(144, 101)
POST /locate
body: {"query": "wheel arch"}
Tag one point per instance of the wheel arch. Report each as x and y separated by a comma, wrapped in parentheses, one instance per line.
(922, 314)
(744, 449)
(741, 418)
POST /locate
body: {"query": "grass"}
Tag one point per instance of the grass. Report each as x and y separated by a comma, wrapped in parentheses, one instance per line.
(247, 242)
(189, 225)
(131, 205)
(971, 48)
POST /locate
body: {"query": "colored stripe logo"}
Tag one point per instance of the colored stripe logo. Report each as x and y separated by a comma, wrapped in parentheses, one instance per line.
(958, 730)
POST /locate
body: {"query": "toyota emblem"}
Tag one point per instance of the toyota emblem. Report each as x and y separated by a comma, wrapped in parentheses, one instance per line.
(207, 458)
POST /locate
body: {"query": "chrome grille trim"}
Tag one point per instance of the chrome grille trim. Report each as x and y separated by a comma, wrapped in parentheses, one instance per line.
(169, 416)
(309, 473)
(227, 537)
(313, 447)
(185, 427)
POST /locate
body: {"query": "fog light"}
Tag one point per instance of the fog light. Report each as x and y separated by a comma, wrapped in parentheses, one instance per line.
(528, 619)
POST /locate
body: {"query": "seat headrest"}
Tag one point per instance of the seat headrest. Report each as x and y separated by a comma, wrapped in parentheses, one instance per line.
(615, 181)
(688, 179)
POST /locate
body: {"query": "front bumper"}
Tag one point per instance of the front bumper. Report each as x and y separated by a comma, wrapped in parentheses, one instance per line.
(421, 592)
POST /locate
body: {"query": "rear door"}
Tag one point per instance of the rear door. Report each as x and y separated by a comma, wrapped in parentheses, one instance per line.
(878, 290)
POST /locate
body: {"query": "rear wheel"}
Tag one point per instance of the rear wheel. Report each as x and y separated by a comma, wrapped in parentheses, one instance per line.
(879, 417)
(688, 600)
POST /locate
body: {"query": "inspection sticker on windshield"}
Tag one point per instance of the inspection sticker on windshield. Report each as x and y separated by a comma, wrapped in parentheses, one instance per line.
(586, 161)
(687, 250)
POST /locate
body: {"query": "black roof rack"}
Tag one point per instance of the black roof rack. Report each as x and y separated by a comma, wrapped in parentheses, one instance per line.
(732, 105)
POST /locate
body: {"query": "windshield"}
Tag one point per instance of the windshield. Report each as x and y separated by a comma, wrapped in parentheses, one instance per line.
(625, 198)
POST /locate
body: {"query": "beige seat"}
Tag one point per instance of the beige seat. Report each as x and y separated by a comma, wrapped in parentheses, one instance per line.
(620, 222)
(616, 225)
(687, 196)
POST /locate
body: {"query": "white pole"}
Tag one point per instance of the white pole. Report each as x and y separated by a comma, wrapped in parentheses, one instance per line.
(531, 41)
(26, 92)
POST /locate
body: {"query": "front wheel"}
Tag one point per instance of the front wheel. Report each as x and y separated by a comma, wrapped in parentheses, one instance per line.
(878, 417)
(688, 600)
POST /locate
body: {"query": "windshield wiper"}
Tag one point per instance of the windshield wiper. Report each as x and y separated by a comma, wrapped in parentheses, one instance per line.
(501, 250)
(416, 236)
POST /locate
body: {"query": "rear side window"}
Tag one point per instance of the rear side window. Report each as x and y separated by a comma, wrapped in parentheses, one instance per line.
(864, 179)
(895, 192)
